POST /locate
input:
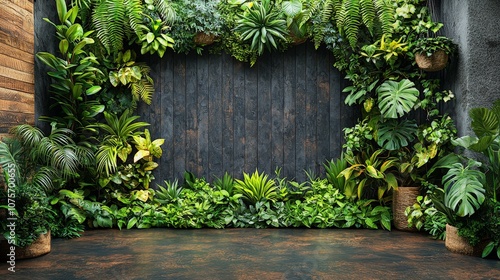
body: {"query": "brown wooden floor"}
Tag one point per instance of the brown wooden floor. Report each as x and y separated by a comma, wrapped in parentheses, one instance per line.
(251, 254)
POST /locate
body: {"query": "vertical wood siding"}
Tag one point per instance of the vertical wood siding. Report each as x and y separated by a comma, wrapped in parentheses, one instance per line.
(17, 86)
(217, 114)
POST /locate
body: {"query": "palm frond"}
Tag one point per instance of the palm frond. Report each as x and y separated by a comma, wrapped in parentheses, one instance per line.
(43, 179)
(29, 135)
(106, 157)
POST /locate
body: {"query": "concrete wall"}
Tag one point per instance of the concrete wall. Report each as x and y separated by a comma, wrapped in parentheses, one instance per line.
(474, 76)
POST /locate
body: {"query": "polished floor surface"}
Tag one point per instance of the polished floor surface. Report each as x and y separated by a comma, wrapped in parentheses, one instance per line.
(251, 254)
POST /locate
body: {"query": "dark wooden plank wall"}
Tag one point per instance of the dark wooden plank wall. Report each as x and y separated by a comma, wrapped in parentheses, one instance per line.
(16, 64)
(217, 114)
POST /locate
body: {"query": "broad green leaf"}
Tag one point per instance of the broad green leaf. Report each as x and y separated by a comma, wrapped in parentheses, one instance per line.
(63, 46)
(292, 8)
(393, 135)
(484, 122)
(396, 99)
(93, 90)
(464, 190)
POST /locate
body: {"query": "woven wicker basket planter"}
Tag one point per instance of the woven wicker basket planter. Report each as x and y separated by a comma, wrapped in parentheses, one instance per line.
(436, 62)
(458, 244)
(401, 199)
(39, 247)
(204, 39)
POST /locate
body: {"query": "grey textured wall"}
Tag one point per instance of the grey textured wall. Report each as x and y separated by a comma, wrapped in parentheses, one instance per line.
(475, 75)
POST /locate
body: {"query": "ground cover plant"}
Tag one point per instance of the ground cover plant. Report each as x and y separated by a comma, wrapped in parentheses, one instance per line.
(98, 79)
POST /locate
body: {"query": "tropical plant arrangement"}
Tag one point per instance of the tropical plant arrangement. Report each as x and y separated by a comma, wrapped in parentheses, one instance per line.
(372, 43)
(33, 165)
(469, 197)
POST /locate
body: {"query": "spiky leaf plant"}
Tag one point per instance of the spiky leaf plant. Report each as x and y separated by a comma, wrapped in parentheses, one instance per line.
(256, 188)
(262, 25)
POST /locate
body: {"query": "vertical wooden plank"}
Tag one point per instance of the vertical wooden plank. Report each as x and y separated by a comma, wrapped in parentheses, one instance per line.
(215, 117)
(228, 117)
(289, 114)
(300, 105)
(203, 99)
(264, 114)
(336, 105)
(251, 128)
(179, 135)
(191, 115)
(311, 100)
(239, 117)
(323, 116)
(159, 113)
(277, 111)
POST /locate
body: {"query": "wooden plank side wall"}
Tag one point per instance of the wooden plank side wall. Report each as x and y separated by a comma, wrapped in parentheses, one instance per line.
(217, 114)
(16, 63)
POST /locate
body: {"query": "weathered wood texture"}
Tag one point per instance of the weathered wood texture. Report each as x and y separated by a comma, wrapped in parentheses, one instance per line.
(217, 114)
(17, 82)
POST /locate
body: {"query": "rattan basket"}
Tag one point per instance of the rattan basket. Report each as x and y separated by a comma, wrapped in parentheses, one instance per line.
(401, 199)
(204, 39)
(436, 62)
(458, 244)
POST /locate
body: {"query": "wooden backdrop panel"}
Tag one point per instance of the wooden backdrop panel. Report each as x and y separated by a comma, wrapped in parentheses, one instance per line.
(218, 114)
(17, 82)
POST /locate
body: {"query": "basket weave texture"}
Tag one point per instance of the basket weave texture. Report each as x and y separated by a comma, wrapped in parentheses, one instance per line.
(204, 39)
(458, 244)
(436, 62)
(401, 199)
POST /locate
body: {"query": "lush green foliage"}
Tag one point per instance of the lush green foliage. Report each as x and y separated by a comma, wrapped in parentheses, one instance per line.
(428, 46)
(106, 180)
(34, 165)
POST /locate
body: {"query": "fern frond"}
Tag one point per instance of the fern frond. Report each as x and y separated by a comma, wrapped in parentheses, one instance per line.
(134, 17)
(167, 12)
(143, 90)
(108, 19)
(368, 14)
(349, 20)
(385, 13)
(327, 11)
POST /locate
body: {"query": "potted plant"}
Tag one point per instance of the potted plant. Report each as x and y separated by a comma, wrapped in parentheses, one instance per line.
(33, 165)
(469, 197)
(431, 54)
(198, 23)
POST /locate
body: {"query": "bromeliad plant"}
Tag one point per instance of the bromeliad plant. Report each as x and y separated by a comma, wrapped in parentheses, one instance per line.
(262, 25)
(256, 188)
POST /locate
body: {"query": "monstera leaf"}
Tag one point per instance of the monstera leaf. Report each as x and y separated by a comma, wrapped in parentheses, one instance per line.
(393, 135)
(486, 125)
(396, 98)
(464, 189)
